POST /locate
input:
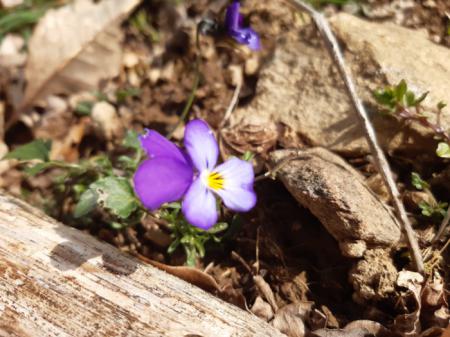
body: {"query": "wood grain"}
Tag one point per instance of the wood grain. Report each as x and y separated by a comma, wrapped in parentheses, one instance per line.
(58, 281)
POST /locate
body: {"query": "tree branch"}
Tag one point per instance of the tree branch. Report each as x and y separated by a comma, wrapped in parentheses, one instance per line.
(380, 159)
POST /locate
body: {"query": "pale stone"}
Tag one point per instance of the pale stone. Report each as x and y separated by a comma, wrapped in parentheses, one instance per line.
(106, 119)
(301, 89)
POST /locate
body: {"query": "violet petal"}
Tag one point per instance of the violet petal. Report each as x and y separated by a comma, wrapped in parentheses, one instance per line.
(201, 145)
(199, 206)
(238, 176)
(232, 17)
(156, 145)
(160, 180)
(246, 36)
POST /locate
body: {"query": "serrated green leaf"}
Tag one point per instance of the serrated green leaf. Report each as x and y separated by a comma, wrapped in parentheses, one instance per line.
(418, 182)
(86, 204)
(103, 163)
(443, 150)
(116, 195)
(37, 149)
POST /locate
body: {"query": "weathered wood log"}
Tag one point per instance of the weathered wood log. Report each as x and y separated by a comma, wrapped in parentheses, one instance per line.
(58, 281)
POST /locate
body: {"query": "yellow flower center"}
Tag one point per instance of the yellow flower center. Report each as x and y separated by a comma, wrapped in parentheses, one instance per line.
(214, 181)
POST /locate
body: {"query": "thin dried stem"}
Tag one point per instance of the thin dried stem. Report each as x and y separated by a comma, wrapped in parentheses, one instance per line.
(232, 105)
(380, 159)
(443, 225)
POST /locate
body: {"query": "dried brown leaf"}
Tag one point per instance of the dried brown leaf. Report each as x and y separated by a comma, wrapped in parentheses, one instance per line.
(265, 290)
(189, 274)
(74, 47)
(290, 319)
(433, 292)
(362, 328)
(262, 309)
(408, 324)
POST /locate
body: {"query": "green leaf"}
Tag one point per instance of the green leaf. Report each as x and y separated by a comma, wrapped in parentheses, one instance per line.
(248, 156)
(418, 182)
(383, 97)
(200, 248)
(103, 163)
(116, 195)
(400, 91)
(86, 204)
(173, 205)
(131, 140)
(123, 94)
(422, 97)
(84, 108)
(218, 227)
(191, 256)
(38, 168)
(173, 246)
(410, 98)
(443, 150)
(117, 225)
(37, 149)
(441, 105)
(426, 208)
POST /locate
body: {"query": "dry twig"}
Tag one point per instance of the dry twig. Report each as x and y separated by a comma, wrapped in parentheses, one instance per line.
(443, 226)
(332, 46)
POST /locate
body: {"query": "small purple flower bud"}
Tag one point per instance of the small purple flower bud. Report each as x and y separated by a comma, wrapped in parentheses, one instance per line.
(233, 24)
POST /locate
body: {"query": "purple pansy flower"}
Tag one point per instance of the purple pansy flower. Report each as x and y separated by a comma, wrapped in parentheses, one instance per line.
(233, 23)
(170, 174)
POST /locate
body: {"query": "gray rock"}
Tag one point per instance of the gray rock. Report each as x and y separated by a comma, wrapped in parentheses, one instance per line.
(338, 196)
(374, 277)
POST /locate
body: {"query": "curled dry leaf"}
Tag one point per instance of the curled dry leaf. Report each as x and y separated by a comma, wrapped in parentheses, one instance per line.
(265, 290)
(441, 318)
(408, 324)
(74, 47)
(290, 319)
(262, 309)
(433, 292)
(257, 138)
(188, 274)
